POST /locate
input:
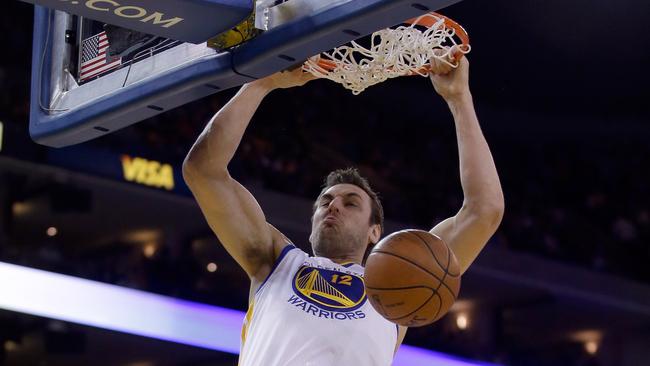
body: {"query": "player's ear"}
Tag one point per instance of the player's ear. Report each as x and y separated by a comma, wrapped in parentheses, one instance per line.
(374, 233)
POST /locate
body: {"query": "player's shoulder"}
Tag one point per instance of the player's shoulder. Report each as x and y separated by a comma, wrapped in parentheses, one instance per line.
(281, 243)
(283, 247)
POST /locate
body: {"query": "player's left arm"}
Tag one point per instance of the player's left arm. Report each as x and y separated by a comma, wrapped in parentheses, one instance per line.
(468, 231)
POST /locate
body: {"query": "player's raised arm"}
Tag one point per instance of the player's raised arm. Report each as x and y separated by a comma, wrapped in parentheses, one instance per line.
(469, 230)
(230, 209)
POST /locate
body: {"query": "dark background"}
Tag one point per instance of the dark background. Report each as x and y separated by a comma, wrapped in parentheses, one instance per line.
(561, 93)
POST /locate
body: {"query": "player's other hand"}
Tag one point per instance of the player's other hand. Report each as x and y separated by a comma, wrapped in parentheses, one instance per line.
(286, 79)
(450, 82)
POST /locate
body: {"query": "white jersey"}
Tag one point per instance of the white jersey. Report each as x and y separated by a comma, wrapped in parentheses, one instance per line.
(311, 311)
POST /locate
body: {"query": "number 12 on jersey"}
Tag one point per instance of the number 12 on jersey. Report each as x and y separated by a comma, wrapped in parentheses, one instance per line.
(342, 280)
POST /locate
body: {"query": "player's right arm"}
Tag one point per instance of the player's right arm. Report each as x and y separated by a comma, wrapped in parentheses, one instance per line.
(231, 211)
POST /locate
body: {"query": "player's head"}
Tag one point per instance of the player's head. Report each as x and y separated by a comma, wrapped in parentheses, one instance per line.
(348, 218)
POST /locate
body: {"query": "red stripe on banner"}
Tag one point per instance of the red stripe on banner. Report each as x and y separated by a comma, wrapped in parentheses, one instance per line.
(93, 62)
(91, 69)
(105, 69)
(100, 56)
(100, 70)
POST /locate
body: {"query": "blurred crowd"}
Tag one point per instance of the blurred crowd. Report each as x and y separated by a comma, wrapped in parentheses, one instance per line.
(578, 198)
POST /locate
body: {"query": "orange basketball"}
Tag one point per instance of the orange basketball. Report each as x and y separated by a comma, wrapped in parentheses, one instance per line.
(412, 278)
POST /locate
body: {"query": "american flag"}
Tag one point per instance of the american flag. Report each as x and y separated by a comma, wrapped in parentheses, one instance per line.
(93, 57)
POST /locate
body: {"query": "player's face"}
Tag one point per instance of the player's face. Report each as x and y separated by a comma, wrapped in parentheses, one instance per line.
(341, 223)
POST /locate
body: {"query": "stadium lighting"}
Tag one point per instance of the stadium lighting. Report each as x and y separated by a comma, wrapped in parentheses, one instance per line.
(462, 321)
(51, 231)
(96, 304)
(149, 249)
(591, 347)
(10, 346)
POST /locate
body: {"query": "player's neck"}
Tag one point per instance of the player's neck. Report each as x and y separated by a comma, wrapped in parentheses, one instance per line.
(345, 260)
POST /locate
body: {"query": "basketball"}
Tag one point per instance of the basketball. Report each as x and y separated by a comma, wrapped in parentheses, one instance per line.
(412, 278)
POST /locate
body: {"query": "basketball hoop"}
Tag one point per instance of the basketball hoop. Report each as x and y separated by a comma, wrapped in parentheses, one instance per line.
(403, 51)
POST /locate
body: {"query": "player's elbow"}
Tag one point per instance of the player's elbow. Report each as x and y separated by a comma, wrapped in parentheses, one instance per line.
(489, 212)
(190, 168)
(189, 171)
(192, 162)
(204, 160)
(494, 215)
(194, 169)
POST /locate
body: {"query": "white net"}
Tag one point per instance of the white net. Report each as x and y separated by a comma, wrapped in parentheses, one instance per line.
(405, 50)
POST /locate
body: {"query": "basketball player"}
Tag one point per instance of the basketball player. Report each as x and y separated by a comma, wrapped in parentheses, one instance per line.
(306, 310)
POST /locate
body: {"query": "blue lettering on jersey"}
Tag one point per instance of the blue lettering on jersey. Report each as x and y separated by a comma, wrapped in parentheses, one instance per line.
(325, 314)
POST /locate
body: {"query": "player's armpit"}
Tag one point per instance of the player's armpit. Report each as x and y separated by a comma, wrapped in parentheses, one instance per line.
(280, 241)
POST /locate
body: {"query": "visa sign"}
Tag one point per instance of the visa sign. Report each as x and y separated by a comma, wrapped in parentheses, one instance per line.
(148, 172)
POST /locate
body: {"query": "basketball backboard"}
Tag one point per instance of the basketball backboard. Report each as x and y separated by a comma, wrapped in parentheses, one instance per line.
(189, 21)
(65, 111)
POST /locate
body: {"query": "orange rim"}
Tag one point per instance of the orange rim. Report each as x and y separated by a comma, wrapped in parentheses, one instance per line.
(428, 22)
(450, 23)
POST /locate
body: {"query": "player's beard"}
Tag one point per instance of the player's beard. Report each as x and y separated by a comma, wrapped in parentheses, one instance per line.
(333, 242)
